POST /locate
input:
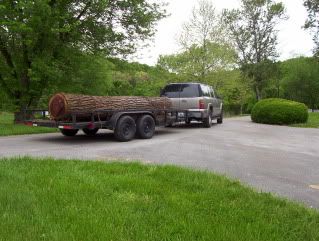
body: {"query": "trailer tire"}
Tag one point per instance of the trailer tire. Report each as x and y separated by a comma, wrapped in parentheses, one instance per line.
(67, 132)
(145, 127)
(125, 129)
(90, 132)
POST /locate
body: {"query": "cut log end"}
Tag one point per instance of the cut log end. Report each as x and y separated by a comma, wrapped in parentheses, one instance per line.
(57, 106)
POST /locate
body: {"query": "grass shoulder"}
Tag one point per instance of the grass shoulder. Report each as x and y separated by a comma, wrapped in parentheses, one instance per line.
(7, 127)
(313, 121)
(76, 200)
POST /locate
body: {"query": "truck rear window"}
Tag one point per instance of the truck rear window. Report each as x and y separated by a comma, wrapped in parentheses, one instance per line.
(171, 91)
(181, 91)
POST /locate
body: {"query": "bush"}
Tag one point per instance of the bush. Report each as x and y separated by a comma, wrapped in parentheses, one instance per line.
(279, 112)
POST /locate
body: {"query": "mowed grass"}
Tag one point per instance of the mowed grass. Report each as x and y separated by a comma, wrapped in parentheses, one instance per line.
(7, 127)
(74, 200)
(313, 121)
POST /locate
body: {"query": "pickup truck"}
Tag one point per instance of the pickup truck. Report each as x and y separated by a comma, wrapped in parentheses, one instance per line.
(191, 101)
(199, 100)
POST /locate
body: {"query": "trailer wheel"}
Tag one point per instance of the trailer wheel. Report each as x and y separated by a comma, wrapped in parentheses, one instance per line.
(67, 132)
(90, 132)
(145, 127)
(125, 129)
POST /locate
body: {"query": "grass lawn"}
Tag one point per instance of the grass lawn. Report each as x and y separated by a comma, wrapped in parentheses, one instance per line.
(7, 127)
(313, 121)
(74, 200)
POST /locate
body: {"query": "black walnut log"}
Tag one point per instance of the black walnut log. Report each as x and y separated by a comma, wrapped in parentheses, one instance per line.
(62, 105)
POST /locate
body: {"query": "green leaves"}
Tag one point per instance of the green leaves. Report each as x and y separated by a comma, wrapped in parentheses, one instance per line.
(40, 41)
(301, 80)
(253, 31)
(312, 22)
(279, 112)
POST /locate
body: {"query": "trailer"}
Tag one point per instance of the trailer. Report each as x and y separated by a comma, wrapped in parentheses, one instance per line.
(125, 124)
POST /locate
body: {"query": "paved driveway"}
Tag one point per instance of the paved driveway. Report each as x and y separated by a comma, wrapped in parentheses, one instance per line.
(281, 160)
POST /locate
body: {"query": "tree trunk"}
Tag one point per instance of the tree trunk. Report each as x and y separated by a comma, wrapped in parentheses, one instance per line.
(258, 94)
(62, 105)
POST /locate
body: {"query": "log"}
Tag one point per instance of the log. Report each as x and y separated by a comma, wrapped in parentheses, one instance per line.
(62, 105)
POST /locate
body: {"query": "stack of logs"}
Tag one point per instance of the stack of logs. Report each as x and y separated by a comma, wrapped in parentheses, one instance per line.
(62, 105)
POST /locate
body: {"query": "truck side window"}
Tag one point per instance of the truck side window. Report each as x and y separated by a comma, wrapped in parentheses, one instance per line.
(189, 91)
(172, 91)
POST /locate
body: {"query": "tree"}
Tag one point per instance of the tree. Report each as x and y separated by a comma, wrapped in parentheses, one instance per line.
(312, 22)
(301, 80)
(203, 46)
(39, 39)
(253, 30)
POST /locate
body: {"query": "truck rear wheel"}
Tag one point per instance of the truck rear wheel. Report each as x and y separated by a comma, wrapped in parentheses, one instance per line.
(90, 132)
(125, 129)
(207, 122)
(145, 127)
(220, 118)
(67, 132)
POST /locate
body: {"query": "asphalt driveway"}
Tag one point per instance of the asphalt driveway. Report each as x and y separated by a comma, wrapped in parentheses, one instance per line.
(281, 160)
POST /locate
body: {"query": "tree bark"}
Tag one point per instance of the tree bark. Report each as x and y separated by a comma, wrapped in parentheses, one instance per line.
(257, 91)
(62, 105)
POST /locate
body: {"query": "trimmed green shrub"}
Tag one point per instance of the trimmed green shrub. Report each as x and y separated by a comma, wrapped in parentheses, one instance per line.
(279, 112)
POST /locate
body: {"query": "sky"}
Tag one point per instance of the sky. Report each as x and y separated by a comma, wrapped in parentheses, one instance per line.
(293, 40)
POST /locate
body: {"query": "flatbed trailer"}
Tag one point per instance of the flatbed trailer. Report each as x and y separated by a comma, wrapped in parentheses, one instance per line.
(126, 124)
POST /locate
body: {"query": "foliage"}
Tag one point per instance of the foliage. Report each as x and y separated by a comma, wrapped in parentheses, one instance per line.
(266, 72)
(234, 90)
(40, 40)
(253, 31)
(313, 122)
(204, 48)
(5, 102)
(79, 200)
(312, 22)
(301, 80)
(198, 62)
(138, 79)
(279, 112)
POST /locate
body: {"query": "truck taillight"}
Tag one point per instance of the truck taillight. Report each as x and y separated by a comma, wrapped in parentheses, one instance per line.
(201, 104)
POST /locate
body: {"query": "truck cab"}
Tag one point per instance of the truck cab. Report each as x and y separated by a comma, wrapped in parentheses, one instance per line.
(199, 100)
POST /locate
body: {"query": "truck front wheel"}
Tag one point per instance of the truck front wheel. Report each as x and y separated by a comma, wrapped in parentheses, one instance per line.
(125, 129)
(67, 132)
(145, 127)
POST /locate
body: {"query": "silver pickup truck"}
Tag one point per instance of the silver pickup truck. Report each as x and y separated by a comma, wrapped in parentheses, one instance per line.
(199, 100)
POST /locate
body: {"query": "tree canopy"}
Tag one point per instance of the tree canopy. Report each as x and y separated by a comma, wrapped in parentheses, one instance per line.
(312, 22)
(204, 46)
(253, 31)
(301, 80)
(42, 40)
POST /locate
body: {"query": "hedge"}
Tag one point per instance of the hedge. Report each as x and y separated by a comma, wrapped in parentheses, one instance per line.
(279, 112)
